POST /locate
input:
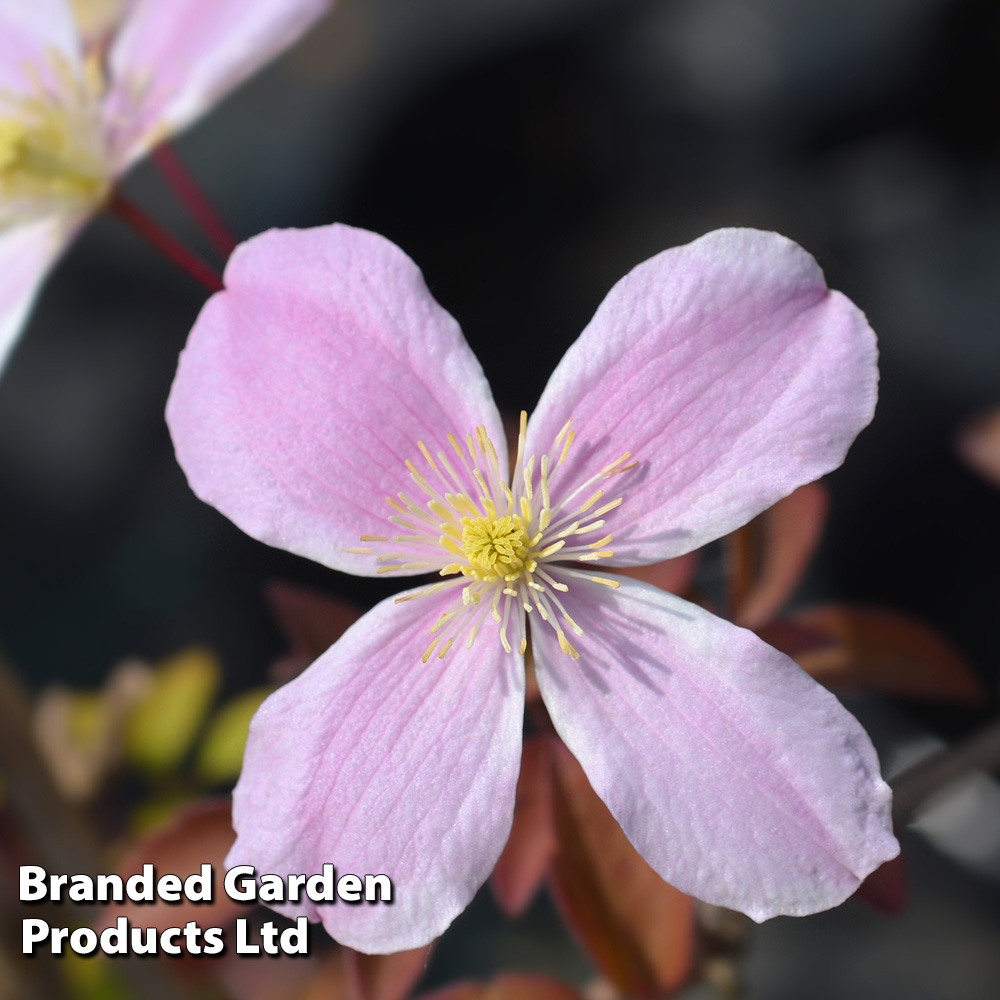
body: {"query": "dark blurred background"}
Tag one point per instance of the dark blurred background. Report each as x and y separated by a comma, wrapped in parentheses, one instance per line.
(527, 153)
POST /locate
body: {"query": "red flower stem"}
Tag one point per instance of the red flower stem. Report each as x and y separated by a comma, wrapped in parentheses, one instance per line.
(174, 251)
(193, 198)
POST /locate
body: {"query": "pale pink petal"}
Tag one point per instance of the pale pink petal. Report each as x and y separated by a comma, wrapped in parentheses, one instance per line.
(729, 371)
(379, 763)
(306, 386)
(174, 59)
(27, 252)
(32, 32)
(738, 778)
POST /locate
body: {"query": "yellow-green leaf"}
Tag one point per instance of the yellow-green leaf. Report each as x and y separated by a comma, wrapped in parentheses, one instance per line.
(163, 725)
(221, 754)
(90, 978)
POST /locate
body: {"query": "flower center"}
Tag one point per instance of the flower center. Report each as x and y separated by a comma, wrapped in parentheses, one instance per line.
(504, 546)
(495, 547)
(52, 153)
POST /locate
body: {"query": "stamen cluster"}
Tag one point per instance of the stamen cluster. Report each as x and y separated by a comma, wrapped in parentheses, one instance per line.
(51, 144)
(504, 546)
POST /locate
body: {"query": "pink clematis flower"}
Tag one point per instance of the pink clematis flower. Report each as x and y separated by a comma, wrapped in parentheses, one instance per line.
(329, 406)
(81, 100)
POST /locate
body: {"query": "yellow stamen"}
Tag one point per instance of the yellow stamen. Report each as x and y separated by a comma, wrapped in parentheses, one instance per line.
(494, 546)
(565, 428)
(570, 438)
(52, 148)
(496, 542)
(565, 645)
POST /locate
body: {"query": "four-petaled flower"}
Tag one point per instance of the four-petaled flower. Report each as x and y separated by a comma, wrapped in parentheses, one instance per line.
(81, 100)
(329, 406)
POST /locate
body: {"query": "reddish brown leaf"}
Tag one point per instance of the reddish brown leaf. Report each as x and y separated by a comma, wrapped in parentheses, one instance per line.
(383, 977)
(674, 575)
(532, 693)
(327, 982)
(886, 651)
(459, 991)
(201, 832)
(637, 929)
(886, 888)
(512, 987)
(979, 444)
(794, 639)
(311, 620)
(532, 842)
(772, 553)
(282, 976)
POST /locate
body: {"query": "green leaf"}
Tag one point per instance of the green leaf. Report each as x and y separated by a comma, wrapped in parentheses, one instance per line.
(162, 726)
(220, 756)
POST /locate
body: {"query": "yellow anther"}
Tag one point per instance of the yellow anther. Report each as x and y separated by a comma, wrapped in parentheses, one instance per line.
(565, 428)
(606, 471)
(426, 454)
(565, 645)
(608, 506)
(570, 438)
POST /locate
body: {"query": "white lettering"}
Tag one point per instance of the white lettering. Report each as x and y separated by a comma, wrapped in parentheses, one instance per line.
(140, 887)
(243, 946)
(319, 888)
(33, 930)
(32, 884)
(240, 885)
(198, 888)
(349, 888)
(384, 894)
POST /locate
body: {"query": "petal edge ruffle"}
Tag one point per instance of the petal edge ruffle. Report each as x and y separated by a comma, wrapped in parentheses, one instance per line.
(733, 376)
(737, 777)
(379, 763)
(306, 385)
